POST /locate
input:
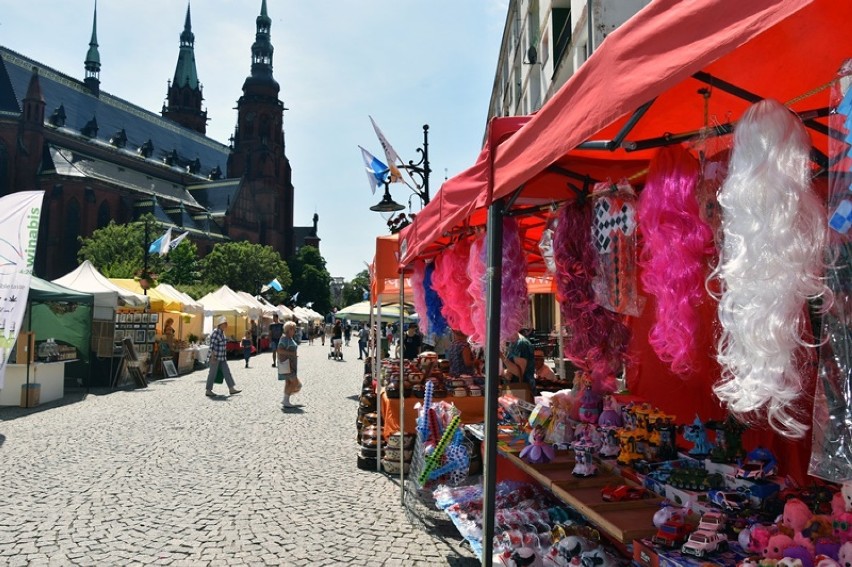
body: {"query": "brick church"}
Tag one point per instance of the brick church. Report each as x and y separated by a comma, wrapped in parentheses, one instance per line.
(100, 158)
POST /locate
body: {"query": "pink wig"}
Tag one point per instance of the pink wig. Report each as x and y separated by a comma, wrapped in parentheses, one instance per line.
(598, 338)
(417, 287)
(476, 290)
(677, 243)
(514, 298)
(452, 281)
(775, 231)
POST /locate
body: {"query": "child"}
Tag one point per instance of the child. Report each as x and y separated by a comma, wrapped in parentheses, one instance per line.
(246, 344)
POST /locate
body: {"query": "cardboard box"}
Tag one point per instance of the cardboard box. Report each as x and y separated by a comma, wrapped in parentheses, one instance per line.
(30, 394)
(646, 554)
(24, 347)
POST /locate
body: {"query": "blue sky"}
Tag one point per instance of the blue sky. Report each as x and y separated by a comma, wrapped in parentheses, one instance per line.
(404, 62)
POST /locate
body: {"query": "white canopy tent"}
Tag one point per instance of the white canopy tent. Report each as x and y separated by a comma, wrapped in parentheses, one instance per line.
(108, 296)
(227, 302)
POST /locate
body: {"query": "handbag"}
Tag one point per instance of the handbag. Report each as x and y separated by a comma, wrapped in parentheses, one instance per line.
(284, 366)
(220, 377)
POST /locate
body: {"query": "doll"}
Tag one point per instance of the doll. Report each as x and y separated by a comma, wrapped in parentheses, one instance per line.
(609, 415)
(537, 452)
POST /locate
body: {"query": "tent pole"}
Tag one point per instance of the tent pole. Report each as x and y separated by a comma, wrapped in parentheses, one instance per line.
(401, 391)
(494, 275)
(27, 351)
(378, 403)
(560, 340)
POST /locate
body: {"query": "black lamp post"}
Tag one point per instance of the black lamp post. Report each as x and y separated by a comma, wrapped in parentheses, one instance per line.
(421, 169)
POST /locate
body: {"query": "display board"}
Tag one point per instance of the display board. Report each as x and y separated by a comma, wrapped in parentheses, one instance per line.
(139, 327)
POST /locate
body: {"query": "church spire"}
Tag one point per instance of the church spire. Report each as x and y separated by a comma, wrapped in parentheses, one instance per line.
(261, 49)
(93, 58)
(184, 95)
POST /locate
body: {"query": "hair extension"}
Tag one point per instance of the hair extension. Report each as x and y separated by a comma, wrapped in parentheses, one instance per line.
(417, 287)
(437, 324)
(514, 299)
(598, 339)
(476, 290)
(676, 244)
(774, 230)
(452, 281)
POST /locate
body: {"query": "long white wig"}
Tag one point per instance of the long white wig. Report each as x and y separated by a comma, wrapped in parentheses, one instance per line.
(774, 230)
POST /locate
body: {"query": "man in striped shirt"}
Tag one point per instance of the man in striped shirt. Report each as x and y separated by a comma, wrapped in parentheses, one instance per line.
(218, 358)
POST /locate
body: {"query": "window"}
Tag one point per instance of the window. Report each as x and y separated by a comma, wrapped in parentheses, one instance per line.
(103, 214)
(71, 231)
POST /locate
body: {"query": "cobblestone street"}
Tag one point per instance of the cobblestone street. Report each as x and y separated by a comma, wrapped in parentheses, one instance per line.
(167, 476)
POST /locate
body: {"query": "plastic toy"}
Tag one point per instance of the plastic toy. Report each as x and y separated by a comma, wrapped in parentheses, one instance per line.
(760, 463)
(584, 465)
(729, 444)
(697, 434)
(622, 493)
(672, 533)
(702, 542)
(590, 406)
(538, 452)
(609, 416)
(597, 558)
(797, 516)
(728, 500)
(609, 442)
(712, 521)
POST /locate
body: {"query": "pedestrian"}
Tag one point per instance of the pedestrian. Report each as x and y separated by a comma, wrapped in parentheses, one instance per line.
(363, 336)
(276, 329)
(519, 362)
(412, 342)
(309, 330)
(347, 333)
(218, 358)
(460, 355)
(324, 333)
(337, 339)
(254, 333)
(246, 343)
(287, 362)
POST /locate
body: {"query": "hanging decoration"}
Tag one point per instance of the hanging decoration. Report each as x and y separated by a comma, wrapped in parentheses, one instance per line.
(774, 230)
(451, 281)
(417, 288)
(614, 237)
(676, 245)
(597, 339)
(514, 297)
(476, 290)
(831, 455)
(545, 245)
(437, 323)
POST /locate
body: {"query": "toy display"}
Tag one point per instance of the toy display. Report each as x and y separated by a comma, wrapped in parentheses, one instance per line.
(702, 542)
(538, 451)
(697, 434)
(623, 492)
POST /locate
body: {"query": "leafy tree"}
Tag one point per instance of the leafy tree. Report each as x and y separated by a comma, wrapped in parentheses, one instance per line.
(183, 266)
(353, 291)
(244, 266)
(311, 279)
(197, 291)
(118, 250)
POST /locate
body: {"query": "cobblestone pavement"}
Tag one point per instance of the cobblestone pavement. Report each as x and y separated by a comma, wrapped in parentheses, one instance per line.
(167, 476)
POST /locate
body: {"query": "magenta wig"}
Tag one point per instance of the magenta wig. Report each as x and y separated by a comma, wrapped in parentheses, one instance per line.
(419, 291)
(677, 243)
(437, 323)
(514, 302)
(452, 281)
(598, 339)
(476, 290)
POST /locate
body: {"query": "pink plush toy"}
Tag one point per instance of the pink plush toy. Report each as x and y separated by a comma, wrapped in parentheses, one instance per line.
(797, 516)
(758, 538)
(776, 545)
(845, 555)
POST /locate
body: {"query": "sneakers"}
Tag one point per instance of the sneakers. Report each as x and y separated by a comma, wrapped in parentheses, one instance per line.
(233, 391)
(210, 394)
(274, 365)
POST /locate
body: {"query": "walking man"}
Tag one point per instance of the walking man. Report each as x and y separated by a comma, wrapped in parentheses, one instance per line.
(276, 329)
(218, 358)
(363, 334)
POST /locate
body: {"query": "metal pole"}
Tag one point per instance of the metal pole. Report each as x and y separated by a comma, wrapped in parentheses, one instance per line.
(145, 246)
(590, 42)
(378, 404)
(401, 394)
(493, 273)
(377, 376)
(426, 170)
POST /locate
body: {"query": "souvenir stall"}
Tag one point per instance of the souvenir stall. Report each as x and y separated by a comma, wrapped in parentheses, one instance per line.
(226, 302)
(639, 141)
(113, 306)
(263, 321)
(192, 353)
(53, 345)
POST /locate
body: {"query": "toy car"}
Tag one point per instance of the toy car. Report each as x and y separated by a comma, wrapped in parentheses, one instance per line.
(703, 542)
(672, 533)
(728, 500)
(623, 492)
(712, 521)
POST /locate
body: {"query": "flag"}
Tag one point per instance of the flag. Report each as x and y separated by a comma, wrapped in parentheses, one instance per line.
(390, 154)
(174, 243)
(274, 284)
(366, 294)
(377, 172)
(309, 304)
(295, 297)
(161, 245)
(20, 214)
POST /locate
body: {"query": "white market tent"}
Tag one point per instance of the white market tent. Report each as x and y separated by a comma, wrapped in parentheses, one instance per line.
(284, 313)
(108, 296)
(225, 301)
(265, 309)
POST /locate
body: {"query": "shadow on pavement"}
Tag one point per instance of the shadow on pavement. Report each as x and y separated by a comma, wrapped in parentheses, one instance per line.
(294, 409)
(72, 396)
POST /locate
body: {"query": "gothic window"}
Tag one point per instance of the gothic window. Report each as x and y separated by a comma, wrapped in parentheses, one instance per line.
(103, 214)
(70, 246)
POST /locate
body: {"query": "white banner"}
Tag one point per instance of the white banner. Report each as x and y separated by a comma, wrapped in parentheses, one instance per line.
(19, 219)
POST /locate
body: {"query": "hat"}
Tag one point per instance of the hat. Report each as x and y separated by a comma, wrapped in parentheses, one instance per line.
(221, 320)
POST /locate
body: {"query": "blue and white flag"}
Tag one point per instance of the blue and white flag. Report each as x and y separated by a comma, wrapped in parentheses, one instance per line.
(276, 285)
(174, 243)
(377, 172)
(161, 245)
(295, 297)
(390, 153)
(20, 214)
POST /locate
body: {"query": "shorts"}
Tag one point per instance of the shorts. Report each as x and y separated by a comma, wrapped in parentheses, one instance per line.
(337, 342)
(273, 344)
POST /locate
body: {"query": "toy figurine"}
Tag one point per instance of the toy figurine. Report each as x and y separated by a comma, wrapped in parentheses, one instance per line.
(587, 434)
(585, 465)
(729, 444)
(667, 450)
(590, 406)
(537, 452)
(697, 434)
(609, 442)
(597, 557)
(609, 416)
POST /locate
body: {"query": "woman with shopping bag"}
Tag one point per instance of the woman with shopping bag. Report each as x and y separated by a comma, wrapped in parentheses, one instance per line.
(287, 362)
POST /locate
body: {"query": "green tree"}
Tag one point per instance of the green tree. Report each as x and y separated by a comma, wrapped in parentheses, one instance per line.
(183, 266)
(244, 266)
(118, 251)
(353, 291)
(311, 279)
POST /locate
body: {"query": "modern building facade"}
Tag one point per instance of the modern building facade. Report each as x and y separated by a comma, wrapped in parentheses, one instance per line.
(101, 158)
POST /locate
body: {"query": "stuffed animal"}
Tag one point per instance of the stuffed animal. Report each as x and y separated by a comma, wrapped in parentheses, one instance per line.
(846, 490)
(758, 538)
(825, 561)
(797, 555)
(844, 557)
(797, 517)
(789, 562)
(776, 545)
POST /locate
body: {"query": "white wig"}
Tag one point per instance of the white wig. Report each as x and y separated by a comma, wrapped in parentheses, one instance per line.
(774, 231)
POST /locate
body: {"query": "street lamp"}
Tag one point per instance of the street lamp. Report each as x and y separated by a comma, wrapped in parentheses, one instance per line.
(421, 185)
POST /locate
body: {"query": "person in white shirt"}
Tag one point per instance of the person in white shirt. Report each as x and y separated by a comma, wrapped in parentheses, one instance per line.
(542, 371)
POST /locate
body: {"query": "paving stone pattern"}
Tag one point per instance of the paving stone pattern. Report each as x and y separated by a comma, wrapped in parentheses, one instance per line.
(167, 476)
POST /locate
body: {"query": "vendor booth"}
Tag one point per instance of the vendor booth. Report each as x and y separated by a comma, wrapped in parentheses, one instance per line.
(53, 345)
(117, 314)
(239, 312)
(676, 80)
